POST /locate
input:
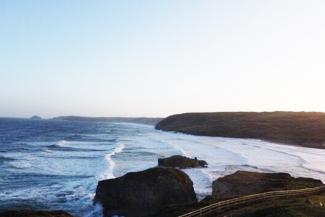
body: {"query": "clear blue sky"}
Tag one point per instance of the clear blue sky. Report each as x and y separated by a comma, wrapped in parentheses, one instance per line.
(156, 58)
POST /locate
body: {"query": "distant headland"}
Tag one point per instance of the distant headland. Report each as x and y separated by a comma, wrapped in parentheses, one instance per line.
(296, 128)
(139, 120)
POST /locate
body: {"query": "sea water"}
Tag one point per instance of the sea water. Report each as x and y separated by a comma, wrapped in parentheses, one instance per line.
(47, 164)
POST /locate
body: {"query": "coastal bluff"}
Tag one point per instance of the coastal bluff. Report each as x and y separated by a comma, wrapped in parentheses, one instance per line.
(295, 128)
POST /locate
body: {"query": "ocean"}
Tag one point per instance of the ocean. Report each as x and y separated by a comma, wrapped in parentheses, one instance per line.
(55, 165)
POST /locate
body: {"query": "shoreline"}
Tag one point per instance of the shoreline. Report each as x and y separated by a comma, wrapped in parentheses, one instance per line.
(275, 142)
(303, 129)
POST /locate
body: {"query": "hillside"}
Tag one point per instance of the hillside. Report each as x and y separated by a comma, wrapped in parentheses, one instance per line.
(297, 128)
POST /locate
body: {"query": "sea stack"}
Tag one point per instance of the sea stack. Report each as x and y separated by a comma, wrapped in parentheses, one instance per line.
(181, 162)
(145, 193)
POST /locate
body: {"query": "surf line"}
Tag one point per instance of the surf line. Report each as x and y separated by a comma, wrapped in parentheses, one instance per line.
(109, 174)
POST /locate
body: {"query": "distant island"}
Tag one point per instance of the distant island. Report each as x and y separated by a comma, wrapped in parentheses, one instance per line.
(138, 120)
(36, 117)
(296, 128)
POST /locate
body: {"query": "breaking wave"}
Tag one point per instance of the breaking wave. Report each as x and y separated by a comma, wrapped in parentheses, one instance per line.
(109, 174)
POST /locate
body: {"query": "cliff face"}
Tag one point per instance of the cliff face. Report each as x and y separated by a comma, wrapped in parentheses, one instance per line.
(298, 128)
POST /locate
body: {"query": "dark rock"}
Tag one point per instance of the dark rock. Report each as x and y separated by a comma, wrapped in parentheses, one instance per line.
(33, 213)
(181, 162)
(145, 193)
(244, 183)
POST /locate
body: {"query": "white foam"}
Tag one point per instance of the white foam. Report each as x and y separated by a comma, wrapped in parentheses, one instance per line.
(227, 155)
(201, 182)
(20, 164)
(96, 212)
(62, 143)
(109, 174)
(181, 150)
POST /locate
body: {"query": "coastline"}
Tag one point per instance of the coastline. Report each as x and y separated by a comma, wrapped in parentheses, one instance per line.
(304, 129)
(87, 143)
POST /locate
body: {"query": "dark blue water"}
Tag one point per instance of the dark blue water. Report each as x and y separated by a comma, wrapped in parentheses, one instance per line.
(53, 164)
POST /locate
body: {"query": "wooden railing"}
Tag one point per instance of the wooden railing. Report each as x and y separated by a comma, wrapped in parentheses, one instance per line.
(221, 206)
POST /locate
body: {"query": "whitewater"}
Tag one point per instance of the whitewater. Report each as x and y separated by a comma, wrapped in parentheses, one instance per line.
(57, 164)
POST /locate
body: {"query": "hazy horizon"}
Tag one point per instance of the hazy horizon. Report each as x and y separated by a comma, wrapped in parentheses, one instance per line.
(154, 59)
(89, 116)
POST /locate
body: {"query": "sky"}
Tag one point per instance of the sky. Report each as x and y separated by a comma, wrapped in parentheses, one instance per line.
(157, 58)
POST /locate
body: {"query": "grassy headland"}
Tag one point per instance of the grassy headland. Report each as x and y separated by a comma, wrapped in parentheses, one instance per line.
(297, 128)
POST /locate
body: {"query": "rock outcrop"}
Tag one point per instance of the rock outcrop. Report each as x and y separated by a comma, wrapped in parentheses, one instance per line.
(182, 162)
(145, 193)
(33, 213)
(245, 183)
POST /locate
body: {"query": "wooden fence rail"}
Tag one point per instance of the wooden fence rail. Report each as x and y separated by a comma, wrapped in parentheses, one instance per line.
(218, 207)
